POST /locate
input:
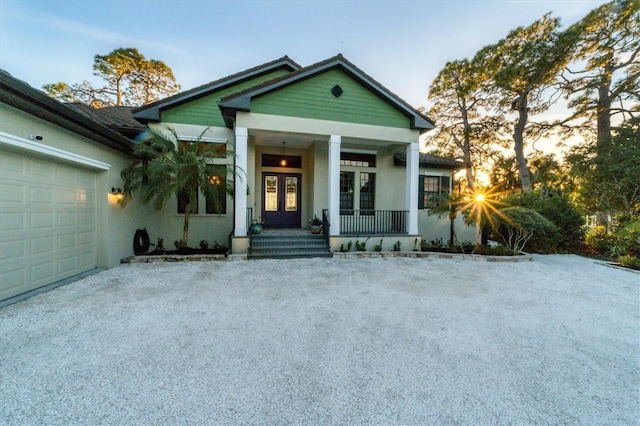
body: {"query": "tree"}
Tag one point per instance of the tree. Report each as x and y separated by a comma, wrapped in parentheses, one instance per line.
(166, 167)
(605, 70)
(461, 104)
(130, 79)
(83, 93)
(608, 180)
(525, 66)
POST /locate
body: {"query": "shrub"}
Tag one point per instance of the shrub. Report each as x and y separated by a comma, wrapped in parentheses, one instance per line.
(624, 241)
(517, 225)
(598, 241)
(558, 208)
(497, 251)
(629, 261)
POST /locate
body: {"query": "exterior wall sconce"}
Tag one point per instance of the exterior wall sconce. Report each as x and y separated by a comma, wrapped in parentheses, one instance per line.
(117, 192)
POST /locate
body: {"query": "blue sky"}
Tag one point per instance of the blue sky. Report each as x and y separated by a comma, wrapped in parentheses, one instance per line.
(402, 44)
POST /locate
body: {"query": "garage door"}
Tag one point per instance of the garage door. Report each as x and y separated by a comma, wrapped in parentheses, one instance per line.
(47, 222)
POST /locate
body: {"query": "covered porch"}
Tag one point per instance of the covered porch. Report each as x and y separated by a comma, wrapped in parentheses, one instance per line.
(350, 182)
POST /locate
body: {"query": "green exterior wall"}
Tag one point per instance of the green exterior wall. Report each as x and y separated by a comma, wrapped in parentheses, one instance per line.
(204, 111)
(312, 98)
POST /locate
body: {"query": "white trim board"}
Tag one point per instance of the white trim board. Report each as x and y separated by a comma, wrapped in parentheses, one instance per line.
(22, 144)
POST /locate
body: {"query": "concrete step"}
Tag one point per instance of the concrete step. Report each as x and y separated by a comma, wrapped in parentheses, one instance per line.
(288, 246)
(291, 243)
(291, 254)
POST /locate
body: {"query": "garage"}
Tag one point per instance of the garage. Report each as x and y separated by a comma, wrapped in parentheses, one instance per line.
(48, 228)
(57, 170)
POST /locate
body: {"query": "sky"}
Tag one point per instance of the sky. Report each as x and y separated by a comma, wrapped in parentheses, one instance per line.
(403, 44)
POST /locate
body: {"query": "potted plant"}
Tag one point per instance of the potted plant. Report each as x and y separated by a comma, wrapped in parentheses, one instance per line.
(256, 225)
(315, 225)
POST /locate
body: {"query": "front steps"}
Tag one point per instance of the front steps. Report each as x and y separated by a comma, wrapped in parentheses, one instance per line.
(287, 245)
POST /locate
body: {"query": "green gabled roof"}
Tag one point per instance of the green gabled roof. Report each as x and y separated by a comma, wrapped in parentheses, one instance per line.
(151, 112)
(241, 101)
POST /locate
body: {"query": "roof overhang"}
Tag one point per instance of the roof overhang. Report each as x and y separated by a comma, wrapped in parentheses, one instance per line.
(22, 96)
(430, 161)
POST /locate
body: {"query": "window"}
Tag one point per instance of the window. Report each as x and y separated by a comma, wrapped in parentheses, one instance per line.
(346, 192)
(290, 161)
(430, 190)
(357, 160)
(216, 193)
(367, 192)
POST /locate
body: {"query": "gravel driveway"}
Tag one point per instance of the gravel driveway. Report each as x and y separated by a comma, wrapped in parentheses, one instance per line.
(322, 341)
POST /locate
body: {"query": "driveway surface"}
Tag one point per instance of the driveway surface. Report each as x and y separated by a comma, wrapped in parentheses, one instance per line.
(324, 341)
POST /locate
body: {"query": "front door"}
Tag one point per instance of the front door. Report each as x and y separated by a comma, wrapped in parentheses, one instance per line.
(281, 200)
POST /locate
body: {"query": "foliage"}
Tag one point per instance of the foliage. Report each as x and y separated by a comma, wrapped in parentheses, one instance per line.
(361, 246)
(435, 245)
(204, 244)
(608, 181)
(165, 167)
(396, 246)
(129, 79)
(315, 221)
(378, 247)
(517, 225)
(524, 66)
(605, 70)
(344, 249)
(557, 207)
(629, 261)
(462, 99)
(498, 250)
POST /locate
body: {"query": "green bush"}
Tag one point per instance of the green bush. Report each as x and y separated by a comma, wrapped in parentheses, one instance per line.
(629, 261)
(598, 241)
(624, 241)
(558, 208)
(497, 251)
(516, 226)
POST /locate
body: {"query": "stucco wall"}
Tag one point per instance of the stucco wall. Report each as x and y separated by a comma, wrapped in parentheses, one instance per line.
(115, 225)
(167, 224)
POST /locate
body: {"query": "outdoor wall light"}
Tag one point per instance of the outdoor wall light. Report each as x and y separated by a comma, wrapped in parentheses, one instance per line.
(118, 193)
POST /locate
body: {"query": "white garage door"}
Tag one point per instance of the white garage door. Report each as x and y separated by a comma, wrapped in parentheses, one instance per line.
(47, 222)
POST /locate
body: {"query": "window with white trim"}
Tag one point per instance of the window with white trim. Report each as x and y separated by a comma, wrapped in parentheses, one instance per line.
(431, 189)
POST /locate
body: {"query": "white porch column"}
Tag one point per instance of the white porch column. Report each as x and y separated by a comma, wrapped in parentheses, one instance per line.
(413, 158)
(334, 184)
(240, 194)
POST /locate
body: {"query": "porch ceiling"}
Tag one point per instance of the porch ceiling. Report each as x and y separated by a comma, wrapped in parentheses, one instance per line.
(297, 140)
(304, 140)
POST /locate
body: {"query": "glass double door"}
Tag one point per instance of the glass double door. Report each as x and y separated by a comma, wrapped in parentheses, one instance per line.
(281, 195)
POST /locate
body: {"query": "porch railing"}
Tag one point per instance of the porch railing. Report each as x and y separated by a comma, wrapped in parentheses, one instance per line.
(326, 227)
(360, 222)
(249, 222)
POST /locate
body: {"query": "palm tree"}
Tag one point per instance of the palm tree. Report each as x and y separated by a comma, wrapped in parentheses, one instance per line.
(166, 167)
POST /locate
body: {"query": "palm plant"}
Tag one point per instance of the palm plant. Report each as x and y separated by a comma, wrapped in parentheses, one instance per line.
(166, 167)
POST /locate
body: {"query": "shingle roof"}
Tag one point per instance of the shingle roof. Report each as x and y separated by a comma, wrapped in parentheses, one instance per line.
(118, 118)
(22, 96)
(428, 160)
